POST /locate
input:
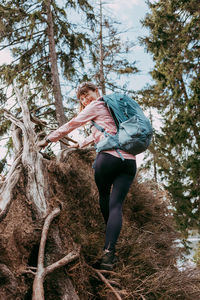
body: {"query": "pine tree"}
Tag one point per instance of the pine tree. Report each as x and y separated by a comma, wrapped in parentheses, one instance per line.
(174, 44)
(43, 41)
(109, 54)
(46, 46)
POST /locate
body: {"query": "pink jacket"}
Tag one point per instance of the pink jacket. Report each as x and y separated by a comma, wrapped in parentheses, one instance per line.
(98, 112)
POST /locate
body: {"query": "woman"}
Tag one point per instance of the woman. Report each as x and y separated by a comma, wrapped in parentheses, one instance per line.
(110, 170)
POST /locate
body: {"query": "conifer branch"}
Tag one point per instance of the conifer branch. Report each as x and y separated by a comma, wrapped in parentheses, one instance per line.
(23, 39)
(18, 30)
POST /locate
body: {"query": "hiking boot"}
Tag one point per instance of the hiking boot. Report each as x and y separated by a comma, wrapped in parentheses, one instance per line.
(108, 260)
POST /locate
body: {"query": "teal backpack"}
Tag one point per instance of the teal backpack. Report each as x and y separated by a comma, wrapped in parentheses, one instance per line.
(134, 130)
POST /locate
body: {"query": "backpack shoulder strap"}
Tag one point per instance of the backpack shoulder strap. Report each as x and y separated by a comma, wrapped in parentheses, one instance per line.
(110, 109)
(113, 116)
(98, 126)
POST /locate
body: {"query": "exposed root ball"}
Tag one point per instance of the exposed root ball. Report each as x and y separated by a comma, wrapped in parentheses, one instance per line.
(146, 247)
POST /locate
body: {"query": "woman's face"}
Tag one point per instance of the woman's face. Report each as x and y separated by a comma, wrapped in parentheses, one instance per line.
(89, 96)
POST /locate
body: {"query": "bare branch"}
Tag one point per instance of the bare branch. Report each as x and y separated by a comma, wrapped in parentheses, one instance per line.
(5, 138)
(38, 289)
(37, 121)
(63, 261)
(13, 119)
(69, 139)
(118, 297)
(38, 108)
(28, 271)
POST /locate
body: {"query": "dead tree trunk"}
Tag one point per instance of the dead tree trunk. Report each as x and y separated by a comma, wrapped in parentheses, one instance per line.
(30, 161)
(28, 158)
(8, 186)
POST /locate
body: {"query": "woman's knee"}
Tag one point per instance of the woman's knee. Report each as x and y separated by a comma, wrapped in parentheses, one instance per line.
(115, 209)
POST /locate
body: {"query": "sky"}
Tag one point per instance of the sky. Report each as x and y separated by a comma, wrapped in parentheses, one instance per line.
(129, 13)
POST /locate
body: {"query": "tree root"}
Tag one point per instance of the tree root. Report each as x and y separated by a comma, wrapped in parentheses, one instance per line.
(108, 283)
(38, 289)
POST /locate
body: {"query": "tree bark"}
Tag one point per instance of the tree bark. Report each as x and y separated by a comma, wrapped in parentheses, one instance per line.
(6, 192)
(101, 69)
(54, 67)
(31, 160)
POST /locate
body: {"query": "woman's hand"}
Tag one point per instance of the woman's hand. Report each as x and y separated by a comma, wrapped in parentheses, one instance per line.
(42, 143)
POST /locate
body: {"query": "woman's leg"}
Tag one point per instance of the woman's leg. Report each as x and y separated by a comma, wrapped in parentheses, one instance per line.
(110, 170)
(104, 179)
(120, 189)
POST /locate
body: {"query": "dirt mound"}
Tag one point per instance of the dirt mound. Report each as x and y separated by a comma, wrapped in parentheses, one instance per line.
(147, 266)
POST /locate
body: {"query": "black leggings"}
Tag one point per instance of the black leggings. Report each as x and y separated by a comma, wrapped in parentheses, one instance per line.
(111, 171)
